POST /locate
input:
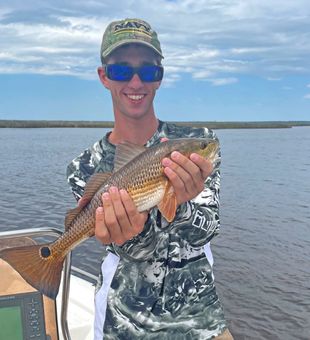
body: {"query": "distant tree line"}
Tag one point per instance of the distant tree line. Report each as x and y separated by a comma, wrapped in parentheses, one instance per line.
(110, 124)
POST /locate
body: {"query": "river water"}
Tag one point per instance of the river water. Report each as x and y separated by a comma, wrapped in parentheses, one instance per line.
(262, 266)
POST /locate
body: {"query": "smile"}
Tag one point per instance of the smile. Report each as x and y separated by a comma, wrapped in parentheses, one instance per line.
(135, 97)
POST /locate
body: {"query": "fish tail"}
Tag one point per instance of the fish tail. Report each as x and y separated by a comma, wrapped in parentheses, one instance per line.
(37, 266)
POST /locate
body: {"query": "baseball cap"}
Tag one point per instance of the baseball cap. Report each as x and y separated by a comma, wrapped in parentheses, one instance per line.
(122, 32)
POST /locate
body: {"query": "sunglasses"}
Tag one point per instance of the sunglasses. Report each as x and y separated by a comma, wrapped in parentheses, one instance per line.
(147, 73)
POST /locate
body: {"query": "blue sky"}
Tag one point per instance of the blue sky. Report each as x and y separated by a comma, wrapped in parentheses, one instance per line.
(225, 60)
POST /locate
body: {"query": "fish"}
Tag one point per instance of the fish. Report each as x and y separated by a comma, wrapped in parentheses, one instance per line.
(140, 172)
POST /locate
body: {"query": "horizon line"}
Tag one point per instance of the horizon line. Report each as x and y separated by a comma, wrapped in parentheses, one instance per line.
(18, 123)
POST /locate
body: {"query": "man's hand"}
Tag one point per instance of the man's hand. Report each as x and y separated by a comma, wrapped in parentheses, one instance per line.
(118, 220)
(187, 176)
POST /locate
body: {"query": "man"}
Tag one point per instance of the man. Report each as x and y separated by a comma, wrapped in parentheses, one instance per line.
(156, 280)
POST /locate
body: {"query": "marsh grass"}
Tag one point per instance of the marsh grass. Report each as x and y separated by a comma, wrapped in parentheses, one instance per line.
(109, 124)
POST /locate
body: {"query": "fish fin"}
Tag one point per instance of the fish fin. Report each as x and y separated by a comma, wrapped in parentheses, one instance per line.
(44, 274)
(91, 187)
(168, 204)
(93, 184)
(125, 152)
(71, 215)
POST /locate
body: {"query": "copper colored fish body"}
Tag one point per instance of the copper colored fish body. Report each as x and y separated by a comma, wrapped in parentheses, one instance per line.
(139, 171)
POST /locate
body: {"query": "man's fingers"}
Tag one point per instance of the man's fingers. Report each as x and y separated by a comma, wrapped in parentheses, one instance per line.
(119, 209)
(184, 174)
(206, 167)
(175, 179)
(101, 231)
(111, 220)
(118, 220)
(187, 175)
(196, 165)
(82, 201)
(127, 214)
(189, 167)
(136, 219)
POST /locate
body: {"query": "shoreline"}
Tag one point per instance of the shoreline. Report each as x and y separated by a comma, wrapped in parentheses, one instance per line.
(110, 124)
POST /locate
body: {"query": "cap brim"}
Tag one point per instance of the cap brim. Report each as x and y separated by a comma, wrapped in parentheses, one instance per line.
(130, 41)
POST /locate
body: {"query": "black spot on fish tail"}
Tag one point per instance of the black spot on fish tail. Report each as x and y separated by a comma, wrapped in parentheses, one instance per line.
(36, 266)
(45, 252)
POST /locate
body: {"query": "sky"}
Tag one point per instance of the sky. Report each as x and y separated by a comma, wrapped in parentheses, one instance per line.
(225, 60)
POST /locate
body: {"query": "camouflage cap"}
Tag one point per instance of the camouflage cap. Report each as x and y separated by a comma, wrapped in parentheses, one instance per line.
(128, 31)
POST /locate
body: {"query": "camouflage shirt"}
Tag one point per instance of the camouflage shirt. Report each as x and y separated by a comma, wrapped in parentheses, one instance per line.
(163, 285)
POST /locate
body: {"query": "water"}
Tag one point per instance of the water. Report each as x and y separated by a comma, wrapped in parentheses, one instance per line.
(262, 254)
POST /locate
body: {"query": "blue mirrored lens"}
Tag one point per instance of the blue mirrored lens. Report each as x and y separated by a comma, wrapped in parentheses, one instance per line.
(148, 73)
(119, 72)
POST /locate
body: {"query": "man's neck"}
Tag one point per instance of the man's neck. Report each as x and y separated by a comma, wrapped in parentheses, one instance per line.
(136, 131)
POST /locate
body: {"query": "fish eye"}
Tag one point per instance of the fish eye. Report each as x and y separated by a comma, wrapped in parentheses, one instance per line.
(203, 145)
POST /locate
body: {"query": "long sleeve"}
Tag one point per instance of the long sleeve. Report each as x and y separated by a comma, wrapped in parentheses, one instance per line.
(94, 159)
(78, 171)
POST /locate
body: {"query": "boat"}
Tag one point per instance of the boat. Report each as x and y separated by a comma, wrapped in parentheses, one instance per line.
(26, 314)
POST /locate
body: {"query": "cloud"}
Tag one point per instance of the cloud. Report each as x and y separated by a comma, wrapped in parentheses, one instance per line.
(170, 79)
(273, 79)
(202, 74)
(307, 96)
(223, 81)
(217, 41)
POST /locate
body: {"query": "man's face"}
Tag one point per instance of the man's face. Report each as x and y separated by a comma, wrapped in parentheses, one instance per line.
(132, 98)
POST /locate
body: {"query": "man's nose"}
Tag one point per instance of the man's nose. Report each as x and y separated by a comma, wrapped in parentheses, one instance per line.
(135, 81)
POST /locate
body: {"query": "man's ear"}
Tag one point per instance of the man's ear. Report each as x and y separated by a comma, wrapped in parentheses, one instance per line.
(102, 76)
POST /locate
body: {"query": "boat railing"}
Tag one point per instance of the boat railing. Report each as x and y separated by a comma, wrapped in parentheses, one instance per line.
(54, 232)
